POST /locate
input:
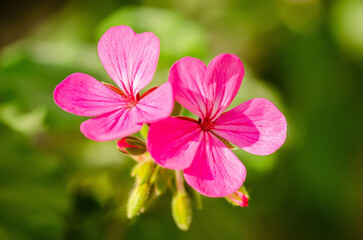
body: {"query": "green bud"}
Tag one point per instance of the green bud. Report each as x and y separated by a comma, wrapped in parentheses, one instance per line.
(150, 200)
(131, 145)
(144, 172)
(182, 210)
(164, 177)
(155, 174)
(137, 200)
(135, 169)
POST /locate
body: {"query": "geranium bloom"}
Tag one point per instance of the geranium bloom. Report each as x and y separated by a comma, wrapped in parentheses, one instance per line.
(130, 59)
(198, 147)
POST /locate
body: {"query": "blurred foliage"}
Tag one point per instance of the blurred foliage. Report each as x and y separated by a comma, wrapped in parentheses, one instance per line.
(306, 56)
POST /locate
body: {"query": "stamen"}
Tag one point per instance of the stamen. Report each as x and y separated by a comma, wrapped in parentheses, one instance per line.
(207, 125)
(115, 89)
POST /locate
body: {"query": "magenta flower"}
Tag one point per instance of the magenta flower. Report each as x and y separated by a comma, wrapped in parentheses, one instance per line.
(130, 59)
(195, 147)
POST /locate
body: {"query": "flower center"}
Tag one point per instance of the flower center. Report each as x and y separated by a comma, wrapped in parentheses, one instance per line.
(207, 125)
(131, 103)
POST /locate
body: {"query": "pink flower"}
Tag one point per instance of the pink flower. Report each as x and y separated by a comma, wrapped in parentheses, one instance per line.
(196, 147)
(130, 59)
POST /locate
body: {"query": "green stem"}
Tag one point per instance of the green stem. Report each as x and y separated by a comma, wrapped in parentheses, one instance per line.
(141, 158)
(179, 180)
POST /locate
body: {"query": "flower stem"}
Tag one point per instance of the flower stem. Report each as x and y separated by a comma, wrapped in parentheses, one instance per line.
(141, 158)
(179, 180)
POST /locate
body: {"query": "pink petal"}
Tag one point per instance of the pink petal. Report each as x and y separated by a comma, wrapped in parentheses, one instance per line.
(215, 171)
(83, 95)
(206, 92)
(111, 126)
(257, 126)
(129, 58)
(173, 142)
(156, 105)
(224, 76)
(187, 79)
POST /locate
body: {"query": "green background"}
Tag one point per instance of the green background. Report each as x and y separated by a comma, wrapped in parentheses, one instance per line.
(306, 56)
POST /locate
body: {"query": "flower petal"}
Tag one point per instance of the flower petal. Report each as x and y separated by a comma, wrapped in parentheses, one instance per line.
(83, 95)
(257, 126)
(173, 142)
(111, 126)
(206, 92)
(187, 79)
(224, 77)
(215, 171)
(156, 105)
(129, 58)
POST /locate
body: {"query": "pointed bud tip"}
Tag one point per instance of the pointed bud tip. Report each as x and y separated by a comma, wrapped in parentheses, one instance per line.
(144, 172)
(239, 198)
(162, 181)
(137, 200)
(131, 146)
(181, 210)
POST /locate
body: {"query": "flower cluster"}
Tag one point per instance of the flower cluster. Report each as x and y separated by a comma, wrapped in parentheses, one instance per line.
(198, 149)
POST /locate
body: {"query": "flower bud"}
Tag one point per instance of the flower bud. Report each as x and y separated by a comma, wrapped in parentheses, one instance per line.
(144, 171)
(164, 176)
(137, 199)
(239, 198)
(131, 145)
(182, 210)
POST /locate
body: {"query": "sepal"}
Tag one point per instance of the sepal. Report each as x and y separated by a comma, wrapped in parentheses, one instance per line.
(137, 199)
(182, 210)
(131, 146)
(239, 198)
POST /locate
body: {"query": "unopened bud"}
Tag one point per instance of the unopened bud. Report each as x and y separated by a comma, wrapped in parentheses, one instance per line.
(182, 210)
(137, 199)
(131, 145)
(164, 176)
(144, 172)
(239, 198)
